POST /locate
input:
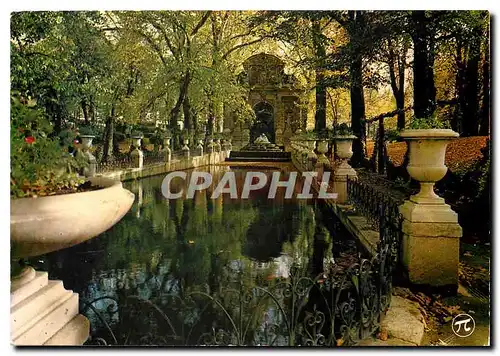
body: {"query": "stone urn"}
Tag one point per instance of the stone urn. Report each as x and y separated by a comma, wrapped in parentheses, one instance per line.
(136, 141)
(217, 145)
(167, 150)
(344, 152)
(42, 311)
(210, 145)
(88, 156)
(185, 148)
(322, 148)
(137, 156)
(427, 149)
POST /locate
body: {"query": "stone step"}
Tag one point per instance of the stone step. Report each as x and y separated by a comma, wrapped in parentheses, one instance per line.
(26, 313)
(21, 291)
(50, 323)
(76, 332)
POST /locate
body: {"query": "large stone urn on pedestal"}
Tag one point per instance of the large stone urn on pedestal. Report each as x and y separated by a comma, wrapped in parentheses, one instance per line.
(431, 233)
(343, 170)
(42, 312)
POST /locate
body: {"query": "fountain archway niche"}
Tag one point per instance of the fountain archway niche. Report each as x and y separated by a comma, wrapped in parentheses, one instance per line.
(264, 122)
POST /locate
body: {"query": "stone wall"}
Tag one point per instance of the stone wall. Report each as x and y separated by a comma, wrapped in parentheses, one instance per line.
(174, 165)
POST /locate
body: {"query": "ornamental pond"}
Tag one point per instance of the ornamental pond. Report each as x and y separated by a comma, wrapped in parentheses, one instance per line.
(207, 271)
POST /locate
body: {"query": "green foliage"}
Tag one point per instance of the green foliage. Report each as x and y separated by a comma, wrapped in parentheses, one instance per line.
(342, 129)
(426, 123)
(87, 130)
(136, 133)
(307, 135)
(391, 135)
(39, 164)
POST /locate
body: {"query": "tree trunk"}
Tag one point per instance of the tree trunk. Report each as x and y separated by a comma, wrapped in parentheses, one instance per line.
(108, 136)
(357, 112)
(424, 91)
(471, 97)
(456, 123)
(320, 116)
(186, 106)
(85, 110)
(484, 129)
(174, 113)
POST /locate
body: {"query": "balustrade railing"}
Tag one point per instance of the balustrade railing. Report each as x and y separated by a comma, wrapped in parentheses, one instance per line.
(153, 157)
(381, 211)
(113, 165)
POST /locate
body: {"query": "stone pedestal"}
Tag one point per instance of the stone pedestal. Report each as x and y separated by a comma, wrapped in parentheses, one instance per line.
(217, 145)
(431, 233)
(322, 161)
(343, 171)
(210, 146)
(42, 312)
(198, 151)
(137, 156)
(167, 151)
(90, 170)
(431, 242)
(185, 149)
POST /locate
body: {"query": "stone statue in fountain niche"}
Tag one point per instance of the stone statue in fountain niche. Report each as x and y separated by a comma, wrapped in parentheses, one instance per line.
(261, 139)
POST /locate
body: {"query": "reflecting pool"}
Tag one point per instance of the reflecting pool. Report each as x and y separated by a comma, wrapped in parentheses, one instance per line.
(202, 271)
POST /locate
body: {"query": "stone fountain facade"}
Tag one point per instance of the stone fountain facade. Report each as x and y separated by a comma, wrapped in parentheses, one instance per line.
(276, 99)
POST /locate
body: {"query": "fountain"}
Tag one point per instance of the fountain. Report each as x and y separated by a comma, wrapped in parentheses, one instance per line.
(260, 150)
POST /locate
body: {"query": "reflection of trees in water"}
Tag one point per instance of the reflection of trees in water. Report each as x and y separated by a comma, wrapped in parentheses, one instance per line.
(174, 248)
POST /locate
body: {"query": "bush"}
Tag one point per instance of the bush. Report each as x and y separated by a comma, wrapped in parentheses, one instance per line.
(392, 135)
(428, 123)
(40, 165)
(342, 129)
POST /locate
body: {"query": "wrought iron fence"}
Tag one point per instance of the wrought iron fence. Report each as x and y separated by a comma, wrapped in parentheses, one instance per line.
(376, 205)
(339, 307)
(381, 211)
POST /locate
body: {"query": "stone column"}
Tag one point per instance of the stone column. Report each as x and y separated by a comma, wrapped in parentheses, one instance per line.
(431, 233)
(344, 170)
(137, 156)
(167, 151)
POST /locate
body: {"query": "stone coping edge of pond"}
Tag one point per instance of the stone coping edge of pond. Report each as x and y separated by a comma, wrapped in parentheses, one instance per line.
(403, 323)
(161, 168)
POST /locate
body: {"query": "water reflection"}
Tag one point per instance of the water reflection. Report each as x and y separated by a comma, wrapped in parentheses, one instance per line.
(164, 250)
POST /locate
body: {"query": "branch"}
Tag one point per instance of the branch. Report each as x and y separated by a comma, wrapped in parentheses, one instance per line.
(201, 23)
(154, 46)
(235, 48)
